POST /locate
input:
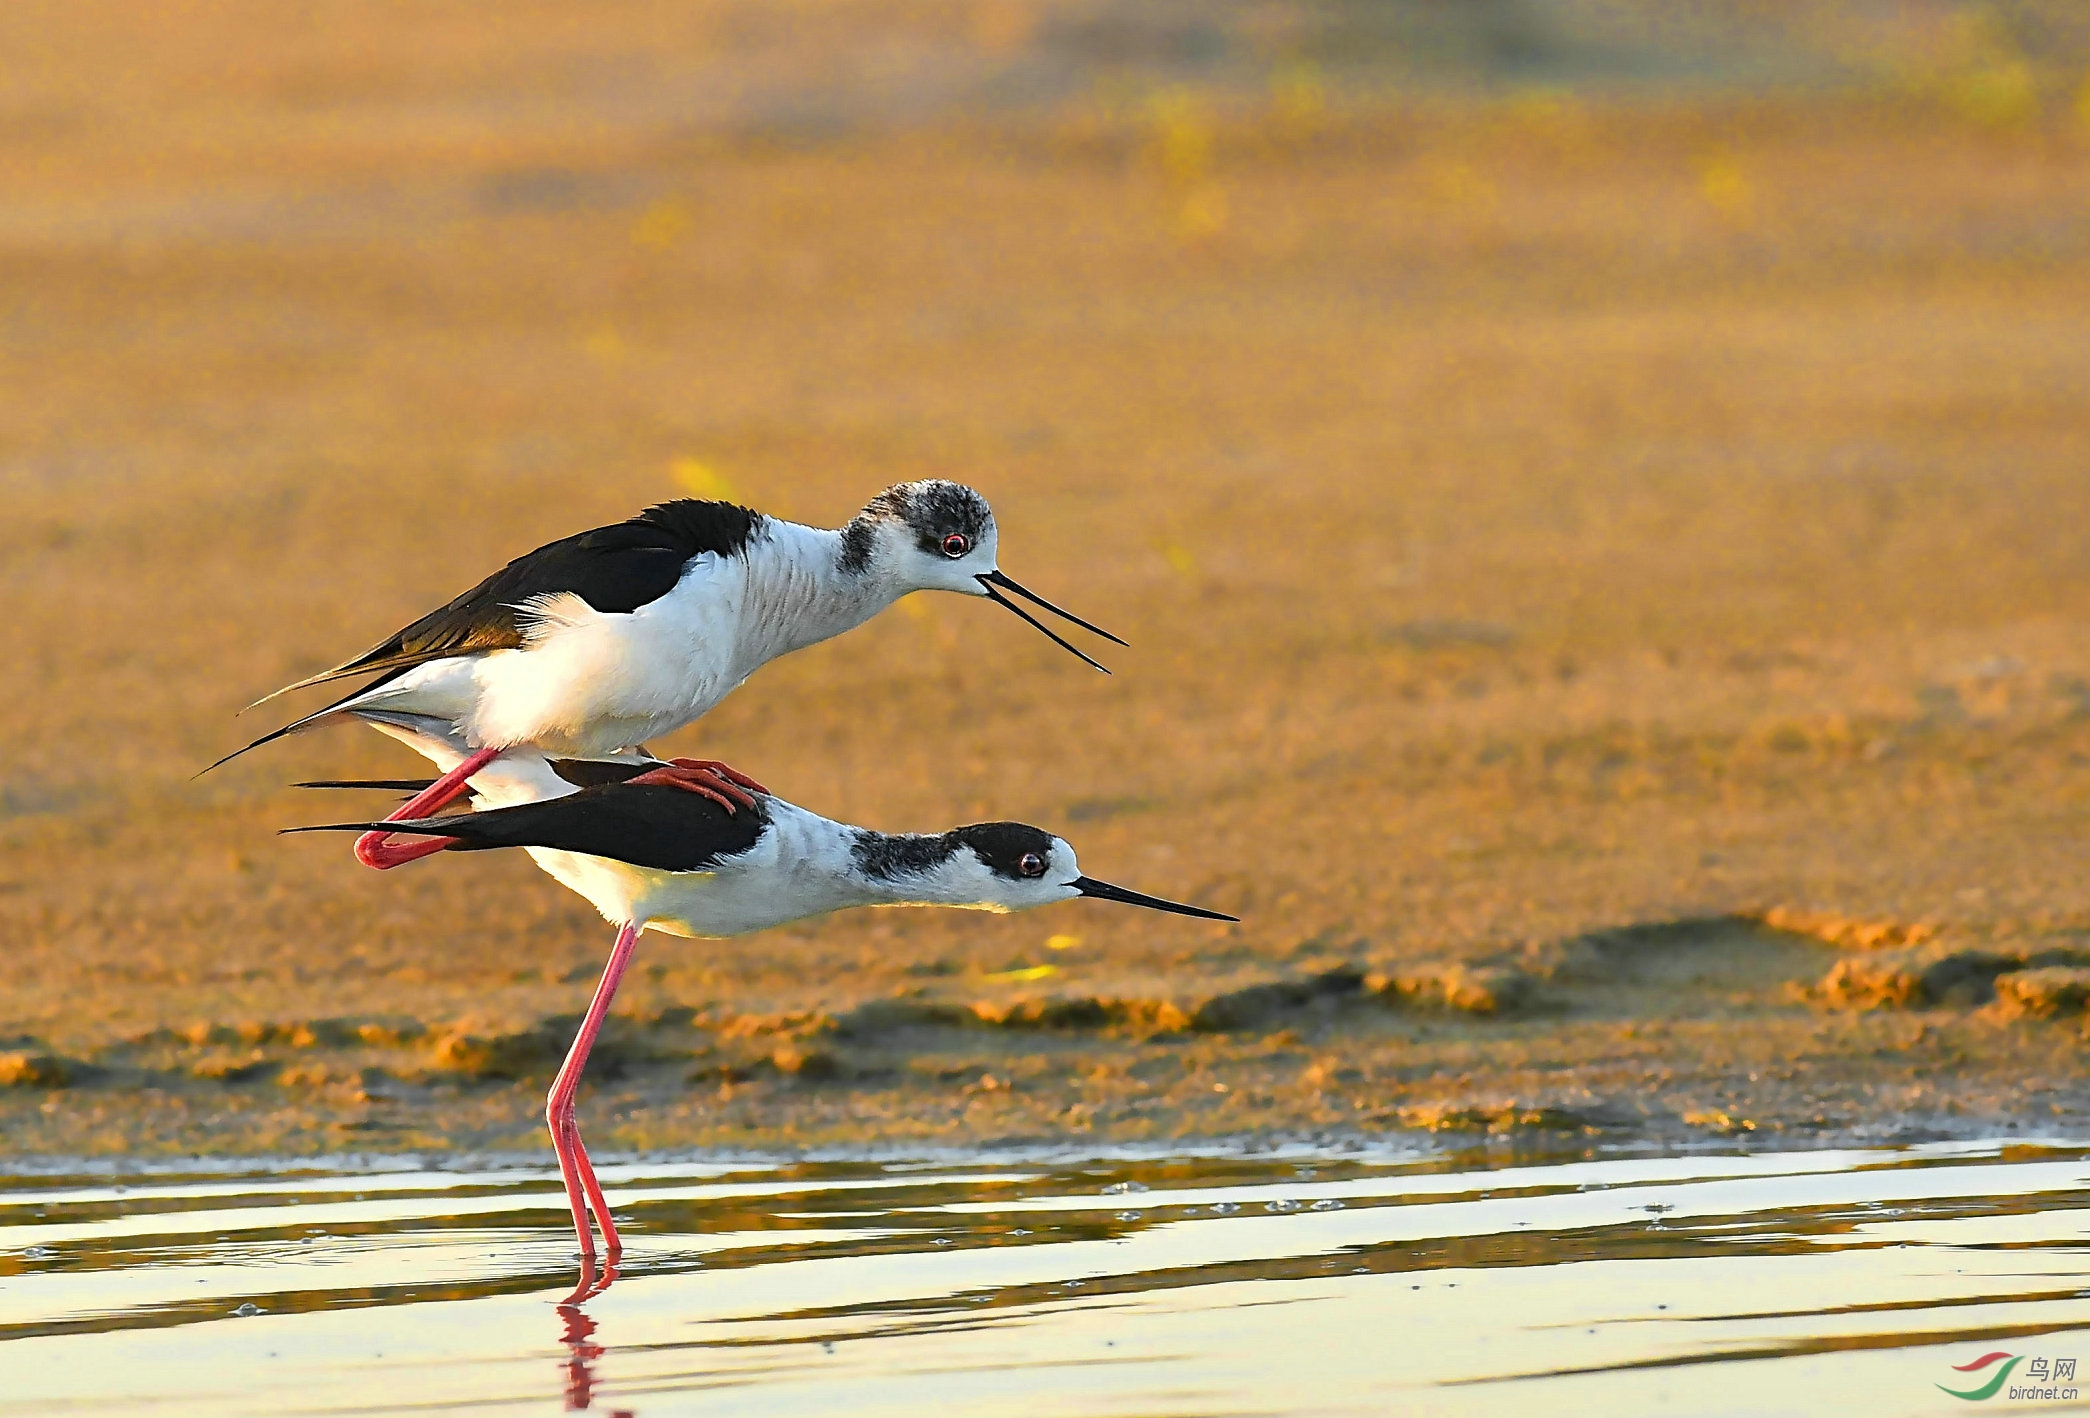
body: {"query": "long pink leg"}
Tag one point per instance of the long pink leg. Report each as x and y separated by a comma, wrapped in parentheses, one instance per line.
(582, 1191)
(378, 851)
(596, 1201)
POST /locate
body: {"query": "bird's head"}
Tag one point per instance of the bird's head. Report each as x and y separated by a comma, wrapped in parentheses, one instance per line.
(1011, 866)
(923, 536)
(940, 536)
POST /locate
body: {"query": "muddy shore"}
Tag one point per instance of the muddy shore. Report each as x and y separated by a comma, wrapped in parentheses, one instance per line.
(1607, 591)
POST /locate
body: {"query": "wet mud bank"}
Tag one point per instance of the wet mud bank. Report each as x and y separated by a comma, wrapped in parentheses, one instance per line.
(1788, 1026)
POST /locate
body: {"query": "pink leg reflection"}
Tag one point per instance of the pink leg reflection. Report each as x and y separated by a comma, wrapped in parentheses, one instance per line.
(580, 1380)
(578, 1337)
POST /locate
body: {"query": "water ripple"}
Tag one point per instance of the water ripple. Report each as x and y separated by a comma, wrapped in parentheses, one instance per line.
(1241, 1283)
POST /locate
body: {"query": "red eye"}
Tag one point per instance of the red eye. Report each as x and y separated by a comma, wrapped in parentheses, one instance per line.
(1031, 865)
(956, 545)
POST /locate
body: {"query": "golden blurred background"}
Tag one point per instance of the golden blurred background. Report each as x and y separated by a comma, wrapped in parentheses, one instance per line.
(1562, 466)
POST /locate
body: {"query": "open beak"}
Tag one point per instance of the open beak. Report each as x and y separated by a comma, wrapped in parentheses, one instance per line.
(1104, 891)
(996, 583)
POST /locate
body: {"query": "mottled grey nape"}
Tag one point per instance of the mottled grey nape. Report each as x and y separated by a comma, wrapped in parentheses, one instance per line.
(931, 510)
(888, 855)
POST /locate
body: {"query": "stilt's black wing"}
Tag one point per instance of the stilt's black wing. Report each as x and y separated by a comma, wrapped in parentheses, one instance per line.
(295, 725)
(645, 824)
(615, 569)
(595, 772)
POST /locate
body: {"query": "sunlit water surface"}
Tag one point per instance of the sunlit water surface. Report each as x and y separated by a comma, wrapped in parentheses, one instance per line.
(1258, 1283)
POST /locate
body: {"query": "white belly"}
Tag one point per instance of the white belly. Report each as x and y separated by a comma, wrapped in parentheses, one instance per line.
(790, 874)
(613, 888)
(587, 682)
(700, 905)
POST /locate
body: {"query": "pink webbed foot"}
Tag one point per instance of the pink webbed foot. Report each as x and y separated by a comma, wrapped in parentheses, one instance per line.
(730, 788)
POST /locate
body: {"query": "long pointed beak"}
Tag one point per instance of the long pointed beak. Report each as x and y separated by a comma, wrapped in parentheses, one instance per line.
(1104, 891)
(995, 579)
(999, 599)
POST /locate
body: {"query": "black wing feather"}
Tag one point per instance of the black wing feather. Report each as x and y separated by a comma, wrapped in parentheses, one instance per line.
(615, 569)
(402, 785)
(645, 824)
(311, 719)
(595, 772)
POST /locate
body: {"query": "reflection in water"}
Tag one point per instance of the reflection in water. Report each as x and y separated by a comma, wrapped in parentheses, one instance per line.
(1271, 1283)
(577, 1333)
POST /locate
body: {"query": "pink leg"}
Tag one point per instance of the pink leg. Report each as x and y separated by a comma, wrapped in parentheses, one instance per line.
(596, 1201)
(378, 851)
(582, 1190)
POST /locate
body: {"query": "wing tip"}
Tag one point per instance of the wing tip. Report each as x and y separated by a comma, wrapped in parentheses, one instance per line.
(311, 720)
(270, 737)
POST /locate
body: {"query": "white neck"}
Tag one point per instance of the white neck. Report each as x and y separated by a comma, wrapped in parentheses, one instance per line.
(798, 594)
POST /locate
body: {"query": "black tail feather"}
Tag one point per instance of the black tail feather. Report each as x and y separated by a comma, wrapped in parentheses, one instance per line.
(395, 785)
(309, 721)
(414, 827)
(285, 732)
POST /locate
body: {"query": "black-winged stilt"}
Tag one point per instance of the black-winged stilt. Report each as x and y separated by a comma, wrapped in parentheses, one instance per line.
(602, 640)
(649, 855)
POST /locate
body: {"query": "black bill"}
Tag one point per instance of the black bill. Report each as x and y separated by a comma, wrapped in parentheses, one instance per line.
(995, 582)
(996, 578)
(1104, 891)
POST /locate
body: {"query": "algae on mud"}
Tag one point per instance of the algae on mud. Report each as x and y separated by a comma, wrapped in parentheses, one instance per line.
(1605, 580)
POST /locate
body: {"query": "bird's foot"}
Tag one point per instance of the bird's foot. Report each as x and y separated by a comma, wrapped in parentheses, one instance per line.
(730, 788)
(379, 852)
(724, 770)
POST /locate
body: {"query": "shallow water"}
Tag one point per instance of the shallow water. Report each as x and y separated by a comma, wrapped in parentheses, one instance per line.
(1280, 1282)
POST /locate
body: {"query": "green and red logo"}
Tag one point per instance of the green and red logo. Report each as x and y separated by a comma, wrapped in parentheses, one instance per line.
(1995, 1383)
